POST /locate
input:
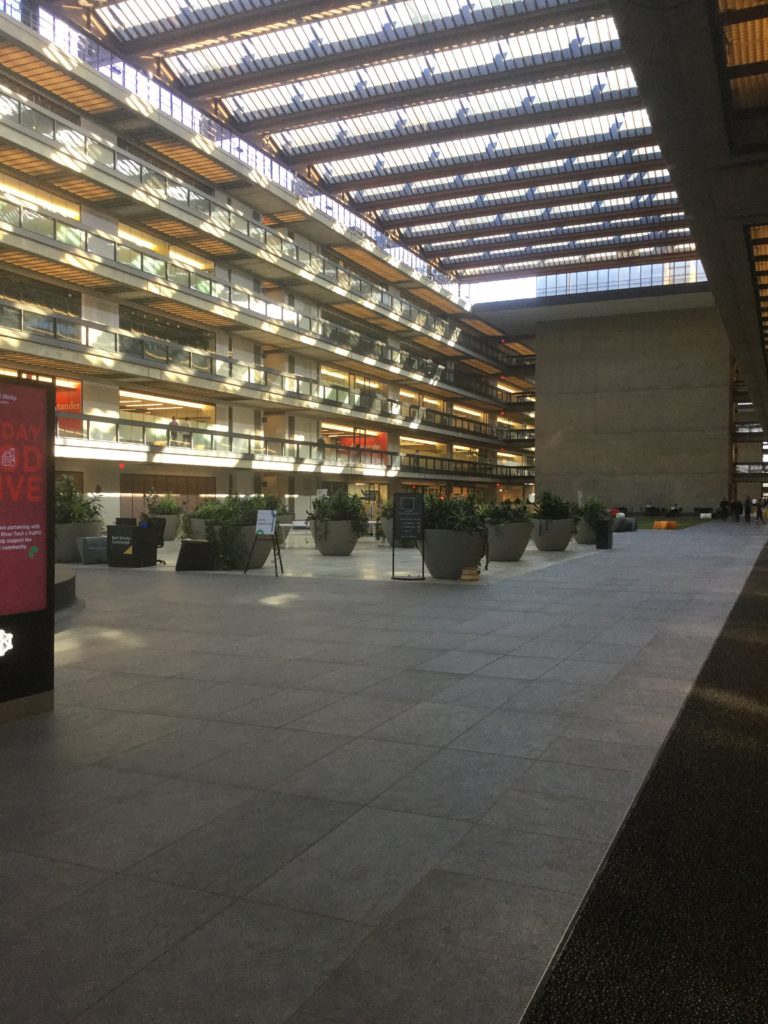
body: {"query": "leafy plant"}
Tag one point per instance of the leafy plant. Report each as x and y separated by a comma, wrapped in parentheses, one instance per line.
(165, 505)
(388, 510)
(72, 506)
(341, 506)
(592, 511)
(497, 512)
(236, 510)
(549, 506)
(454, 513)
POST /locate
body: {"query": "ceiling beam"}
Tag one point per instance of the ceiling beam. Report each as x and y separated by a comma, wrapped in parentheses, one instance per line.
(421, 92)
(440, 252)
(513, 205)
(219, 29)
(479, 125)
(558, 254)
(379, 51)
(534, 222)
(538, 154)
(523, 181)
(571, 268)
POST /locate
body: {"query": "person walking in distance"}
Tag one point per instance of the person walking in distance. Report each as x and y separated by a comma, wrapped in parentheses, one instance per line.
(173, 431)
(736, 509)
(759, 504)
(747, 509)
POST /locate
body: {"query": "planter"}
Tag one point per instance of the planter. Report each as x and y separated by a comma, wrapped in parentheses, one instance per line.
(262, 549)
(284, 524)
(333, 536)
(508, 541)
(388, 529)
(67, 536)
(447, 552)
(585, 534)
(552, 534)
(171, 526)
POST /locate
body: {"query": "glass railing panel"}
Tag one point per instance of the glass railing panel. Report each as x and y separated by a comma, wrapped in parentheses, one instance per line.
(154, 265)
(11, 318)
(100, 153)
(201, 362)
(128, 257)
(101, 339)
(104, 430)
(9, 108)
(218, 442)
(40, 324)
(70, 236)
(66, 330)
(70, 139)
(200, 284)
(240, 445)
(132, 347)
(31, 220)
(128, 168)
(155, 436)
(37, 122)
(178, 275)
(101, 246)
(10, 213)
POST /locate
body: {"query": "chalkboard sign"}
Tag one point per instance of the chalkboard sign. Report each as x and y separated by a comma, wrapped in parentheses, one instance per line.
(408, 517)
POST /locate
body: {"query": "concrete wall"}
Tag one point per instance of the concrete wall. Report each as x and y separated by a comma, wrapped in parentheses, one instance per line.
(634, 409)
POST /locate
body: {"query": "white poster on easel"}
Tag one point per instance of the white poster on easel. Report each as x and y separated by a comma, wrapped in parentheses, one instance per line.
(265, 522)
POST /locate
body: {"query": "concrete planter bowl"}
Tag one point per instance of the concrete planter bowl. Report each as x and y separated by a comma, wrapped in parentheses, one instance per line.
(67, 536)
(262, 549)
(552, 534)
(585, 534)
(197, 529)
(508, 541)
(171, 526)
(333, 536)
(447, 552)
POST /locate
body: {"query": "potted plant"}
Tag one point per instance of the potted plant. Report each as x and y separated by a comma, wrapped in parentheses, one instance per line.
(230, 524)
(509, 530)
(337, 521)
(587, 517)
(553, 523)
(454, 535)
(164, 507)
(387, 523)
(76, 515)
(284, 518)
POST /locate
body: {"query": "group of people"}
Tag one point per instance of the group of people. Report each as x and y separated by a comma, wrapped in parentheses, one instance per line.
(185, 429)
(748, 507)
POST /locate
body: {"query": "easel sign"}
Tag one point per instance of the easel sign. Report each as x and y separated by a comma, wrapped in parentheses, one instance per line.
(408, 524)
(266, 526)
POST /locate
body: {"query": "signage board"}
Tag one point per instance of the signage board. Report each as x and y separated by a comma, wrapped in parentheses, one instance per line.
(408, 516)
(26, 541)
(265, 522)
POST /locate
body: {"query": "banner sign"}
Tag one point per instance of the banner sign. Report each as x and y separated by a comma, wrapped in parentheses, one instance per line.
(26, 538)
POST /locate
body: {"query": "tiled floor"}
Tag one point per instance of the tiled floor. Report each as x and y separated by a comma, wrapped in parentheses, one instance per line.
(331, 798)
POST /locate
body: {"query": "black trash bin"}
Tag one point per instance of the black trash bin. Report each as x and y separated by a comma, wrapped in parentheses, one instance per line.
(604, 533)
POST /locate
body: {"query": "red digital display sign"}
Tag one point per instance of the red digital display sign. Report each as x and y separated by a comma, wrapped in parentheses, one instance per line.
(24, 442)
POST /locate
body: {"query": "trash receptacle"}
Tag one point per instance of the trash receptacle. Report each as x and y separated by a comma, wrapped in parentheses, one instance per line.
(604, 533)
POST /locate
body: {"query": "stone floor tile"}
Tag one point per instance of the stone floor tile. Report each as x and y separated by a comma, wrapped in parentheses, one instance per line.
(558, 863)
(351, 716)
(186, 748)
(343, 679)
(250, 963)
(412, 684)
(459, 662)
(601, 753)
(479, 692)
(276, 709)
(60, 964)
(454, 784)
(515, 667)
(551, 814)
(365, 866)
(358, 771)
(549, 647)
(121, 833)
(513, 734)
(581, 781)
(243, 847)
(29, 886)
(577, 671)
(277, 754)
(431, 724)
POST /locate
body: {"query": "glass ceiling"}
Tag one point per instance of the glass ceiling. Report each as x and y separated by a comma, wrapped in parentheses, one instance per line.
(439, 122)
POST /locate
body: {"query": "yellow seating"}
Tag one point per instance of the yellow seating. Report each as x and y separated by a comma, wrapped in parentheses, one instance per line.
(665, 524)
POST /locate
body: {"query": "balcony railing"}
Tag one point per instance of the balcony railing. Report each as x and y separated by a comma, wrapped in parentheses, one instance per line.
(215, 442)
(262, 379)
(751, 469)
(118, 252)
(111, 66)
(128, 168)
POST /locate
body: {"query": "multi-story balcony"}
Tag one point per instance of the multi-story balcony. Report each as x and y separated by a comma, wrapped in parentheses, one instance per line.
(78, 337)
(146, 186)
(234, 305)
(131, 440)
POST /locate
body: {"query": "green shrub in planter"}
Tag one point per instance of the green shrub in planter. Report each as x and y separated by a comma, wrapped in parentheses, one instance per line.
(162, 505)
(509, 530)
(497, 512)
(338, 521)
(587, 517)
(72, 506)
(454, 535)
(227, 521)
